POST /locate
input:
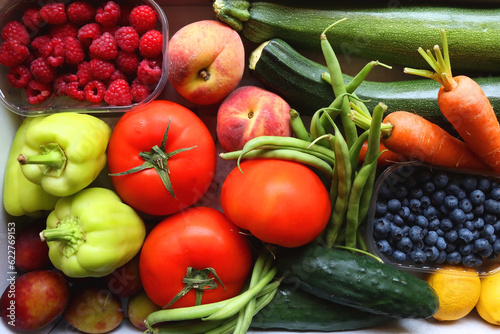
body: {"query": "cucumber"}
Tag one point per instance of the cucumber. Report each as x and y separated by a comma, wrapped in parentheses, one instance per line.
(390, 34)
(298, 80)
(357, 281)
(296, 310)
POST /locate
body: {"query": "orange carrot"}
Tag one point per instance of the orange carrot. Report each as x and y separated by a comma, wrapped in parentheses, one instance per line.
(386, 157)
(463, 102)
(415, 138)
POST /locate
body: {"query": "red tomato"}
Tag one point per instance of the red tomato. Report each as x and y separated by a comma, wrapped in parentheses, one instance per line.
(279, 202)
(190, 172)
(200, 238)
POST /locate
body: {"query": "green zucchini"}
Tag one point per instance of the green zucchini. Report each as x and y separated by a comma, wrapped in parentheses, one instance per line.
(357, 281)
(298, 80)
(390, 34)
(296, 310)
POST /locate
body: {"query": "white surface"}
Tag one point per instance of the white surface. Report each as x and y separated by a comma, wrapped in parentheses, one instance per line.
(179, 16)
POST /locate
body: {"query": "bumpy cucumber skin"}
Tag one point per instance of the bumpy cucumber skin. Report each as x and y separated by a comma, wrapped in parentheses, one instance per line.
(298, 80)
(390, 34)
(295, 309)
(358, 281)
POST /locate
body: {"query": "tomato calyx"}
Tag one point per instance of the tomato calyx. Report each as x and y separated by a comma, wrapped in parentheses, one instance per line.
(157, 158)
(199, 280)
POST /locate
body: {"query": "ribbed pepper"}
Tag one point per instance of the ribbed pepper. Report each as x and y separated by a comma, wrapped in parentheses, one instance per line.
(92, 232)
(65, 152)
(21, 196)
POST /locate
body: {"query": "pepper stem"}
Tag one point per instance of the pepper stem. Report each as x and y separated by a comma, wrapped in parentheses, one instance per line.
(68, 232)
(157, 158)
(52, 159)
(199, 280)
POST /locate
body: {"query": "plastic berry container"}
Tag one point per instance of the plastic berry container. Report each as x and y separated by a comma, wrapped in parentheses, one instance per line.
(423, 218)
(15, 100)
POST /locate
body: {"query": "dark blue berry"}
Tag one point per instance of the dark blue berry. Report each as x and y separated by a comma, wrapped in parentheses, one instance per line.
(485, 252)
(404, 212)
(384, 247)
(495, 193)
(441, 257)
(469, 224)
(477, 197)
(496, 246)
(478, 223)
(465, 235)
(451, 236)
(490, 218)
(438, 197)
(414, 205)
(484, 184)
(416, 193)
(440, 179)
(421, 221)
(454, 257)
(450, 202)
(398, 220)
(471, 260)
(465, 249)
(399, 256)
(416, 233)
(453, 189)
(425, 201)
(465, 205)
(469, 183)
(478, 210)
(429, 187)
(404, 245)
(431, 212)
(401, 191)
(394, 205)
(457, 216)
(441, 243)
(418, 256)
(385, 190)
(480, 244)
(381, 228)
(380, 208)
(487, 231)
(434, 224)
(396, 232)
(432, 253)
(492, 206)
(431, 238)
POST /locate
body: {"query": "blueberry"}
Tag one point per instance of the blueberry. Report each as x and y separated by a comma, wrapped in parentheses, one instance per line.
(457, 216)
(440, 232)
(431, 238)
(404, 245)
(469, 224)
(465, 249)
(495, 193)
(384, 247)
(487, 231)
(399, 256)
(469, 183)
(471, 260)
(398, 220)
(421, 221)
(404, 212)
(492, 206)
(451, 236)
(418, 256)
(450, 247)
(425, 201)
(465, 235)
(414, 205)
(416, 193)
(381, 228)
(453, 188)
(380, 208)
(440, 179)
(496, 226)
(429, 187)
(432, 253)
(394, 205)
(441, 243)
(478, 223)
(454, 257)
(469, 215)
(441, 257)
(480, 244)
(438, 197)
(477, 197)
(396, 232)
(405, 201)
(401, 191)
(450, 202)
(486, 252)
(483, 184)
(496, 246)
(465, 205)
(416, 233)
(385, 190)
(478, 210)
(434, 224)
(431, 212)
(446, 224)
(490, 218)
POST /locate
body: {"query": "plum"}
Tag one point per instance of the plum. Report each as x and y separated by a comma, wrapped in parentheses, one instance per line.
(94, 310)
(31, 252)
(139, 307)
(125, 281)
(34, 299)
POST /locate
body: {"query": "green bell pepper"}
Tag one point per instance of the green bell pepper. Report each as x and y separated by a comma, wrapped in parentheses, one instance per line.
(92, 232)
(21, 196)
(65, 152)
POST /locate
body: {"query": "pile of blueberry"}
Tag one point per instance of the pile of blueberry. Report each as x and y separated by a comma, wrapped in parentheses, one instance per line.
(427, 216)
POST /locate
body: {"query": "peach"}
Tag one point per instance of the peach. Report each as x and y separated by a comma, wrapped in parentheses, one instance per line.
(248, 112)
(206, 61)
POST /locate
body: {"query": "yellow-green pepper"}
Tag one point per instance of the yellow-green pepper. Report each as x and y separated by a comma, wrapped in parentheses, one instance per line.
(65, 152)
(92, 232)
(21, 196)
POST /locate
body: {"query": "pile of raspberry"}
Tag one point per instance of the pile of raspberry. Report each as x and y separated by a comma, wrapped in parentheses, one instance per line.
(107, 53)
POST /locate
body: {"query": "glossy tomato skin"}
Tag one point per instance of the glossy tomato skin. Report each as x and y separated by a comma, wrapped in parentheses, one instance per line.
(198, 237)
(279, 202)
(191, 171)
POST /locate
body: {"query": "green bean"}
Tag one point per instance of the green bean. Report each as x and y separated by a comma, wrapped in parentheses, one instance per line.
(189, 327)
(338, 86)
(344, 173)
(356, 148)
(354, 203)
(298, 127)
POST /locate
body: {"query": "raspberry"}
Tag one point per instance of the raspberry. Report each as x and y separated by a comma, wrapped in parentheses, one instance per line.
(13, 53)
(143, 18)
(139, 91)
(16, 30)
(151, 44)
(80, 13)
(54, 13)
(32, 19)
(94, 91)
(149, 71)
(19, 76)
(127, 39)
(89, 32)
(104, 47)
(55, 52)
(127, 62)
(74, 52)
(38, 92)
(63, 30)
(109, 14)
(42, 70)
(76, 91)
(101, 69)
(118, 93)
(42, 45)
(61, 83)
(84, 73)
(117, 74)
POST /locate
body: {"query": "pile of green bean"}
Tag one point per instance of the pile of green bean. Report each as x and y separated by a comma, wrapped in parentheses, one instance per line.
(232, 315)
(332, 152)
